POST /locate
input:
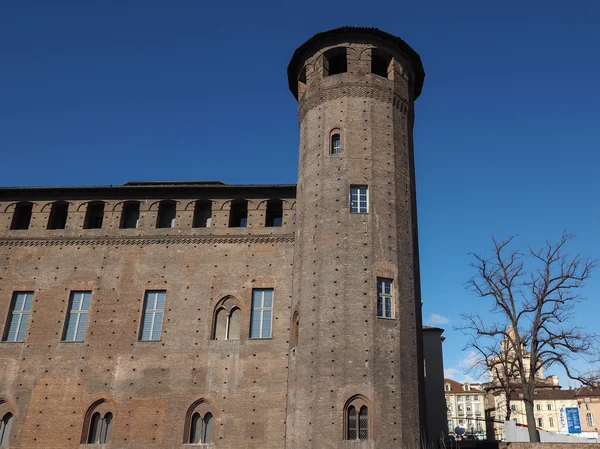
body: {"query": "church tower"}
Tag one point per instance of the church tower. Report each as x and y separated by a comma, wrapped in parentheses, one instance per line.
(356, 366)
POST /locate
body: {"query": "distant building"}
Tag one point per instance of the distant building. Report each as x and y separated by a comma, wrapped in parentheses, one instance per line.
(465, 405)
(588, 401)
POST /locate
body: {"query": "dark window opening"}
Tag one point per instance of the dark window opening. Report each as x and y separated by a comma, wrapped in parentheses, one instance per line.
(202, 214)
(380, 65)
(274, 213)
(94, 216)
(58, 215)
(238, 215)
(335, 62)
(130, 215)
(301, 83)
(166, 214)
(22, 216)
(336, 144)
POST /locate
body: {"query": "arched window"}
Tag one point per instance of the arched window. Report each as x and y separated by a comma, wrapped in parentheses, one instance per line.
(227, 321)
(336, 143)
(97, 424)
(5, 426)
(357, 421)
(199, 424)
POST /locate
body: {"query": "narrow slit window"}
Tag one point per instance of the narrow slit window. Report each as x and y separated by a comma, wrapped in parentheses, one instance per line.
(363, 423)
(19, 316)
(262, 313)
(58, 215)
(384, 298)
(274, 214)
(22, 216)
(79, 305)
(336, 144)
(238, 214)
(202, 214)
(130, 215)
(352, 434)
(154, 306)
(94, 216)
(167, 212)
(335, 61)
(359, 199)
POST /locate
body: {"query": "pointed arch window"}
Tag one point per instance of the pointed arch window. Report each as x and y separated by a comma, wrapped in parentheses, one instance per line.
(5, 426)
(98, 424)
(227, 321)
(357, 419)
(199, 424)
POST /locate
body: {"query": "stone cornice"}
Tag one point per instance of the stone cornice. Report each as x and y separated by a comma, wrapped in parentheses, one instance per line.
(146, 240)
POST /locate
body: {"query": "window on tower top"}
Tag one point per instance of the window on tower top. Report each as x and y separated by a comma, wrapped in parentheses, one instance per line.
(380, 64)
(335, 61)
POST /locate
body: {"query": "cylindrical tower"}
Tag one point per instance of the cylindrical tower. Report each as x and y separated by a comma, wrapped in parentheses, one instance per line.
(356, 368)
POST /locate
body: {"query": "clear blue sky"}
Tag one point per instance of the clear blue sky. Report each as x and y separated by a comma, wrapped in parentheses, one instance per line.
(507, 128)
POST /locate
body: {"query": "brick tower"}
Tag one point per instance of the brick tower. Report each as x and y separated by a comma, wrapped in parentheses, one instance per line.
(356, 368)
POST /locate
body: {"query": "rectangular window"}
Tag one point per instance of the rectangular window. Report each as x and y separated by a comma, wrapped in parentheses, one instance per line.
(540, 422)
(538, 406)
(274, 215)
(551, 420)
(513, 408)
(154, 306)
(384, 298)
(238, 214)
(359, 199)
(468, 409)
(22, 216)
(94, 216)
(467, 397)
(476, 398)
(79, 305)
(549, 406)
(130, 215)
(587, 406)
(589, 419)
(19, 316)
(167, 211)
(262, 313)
(202, 214)
(58, 215)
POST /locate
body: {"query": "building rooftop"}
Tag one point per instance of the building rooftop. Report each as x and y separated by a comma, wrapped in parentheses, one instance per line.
(457, 387)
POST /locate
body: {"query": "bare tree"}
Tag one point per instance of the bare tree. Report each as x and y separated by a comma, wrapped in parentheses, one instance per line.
(535, 305)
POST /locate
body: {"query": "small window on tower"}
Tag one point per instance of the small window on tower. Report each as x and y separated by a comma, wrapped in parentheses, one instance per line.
(359, 199)
(380, 64)
(334, 62)
(22, 216)
(94, 216)
(202, 214)
(302, 82)
(336, 143)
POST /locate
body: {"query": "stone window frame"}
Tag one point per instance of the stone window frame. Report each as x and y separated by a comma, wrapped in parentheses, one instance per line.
(382, 297)
(262, 310)
(229, 305)
(22, 312)
(202, 407)
(358, 190)
(104, 408)
(359, 403)
(77, 315)
(154, 312)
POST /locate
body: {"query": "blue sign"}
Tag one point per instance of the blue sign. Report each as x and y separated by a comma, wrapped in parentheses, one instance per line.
(573, 420)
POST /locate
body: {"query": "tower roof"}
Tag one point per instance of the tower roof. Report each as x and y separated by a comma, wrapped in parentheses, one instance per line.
(313, 42)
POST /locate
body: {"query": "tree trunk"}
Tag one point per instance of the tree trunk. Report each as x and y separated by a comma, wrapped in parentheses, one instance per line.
(534, 436)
